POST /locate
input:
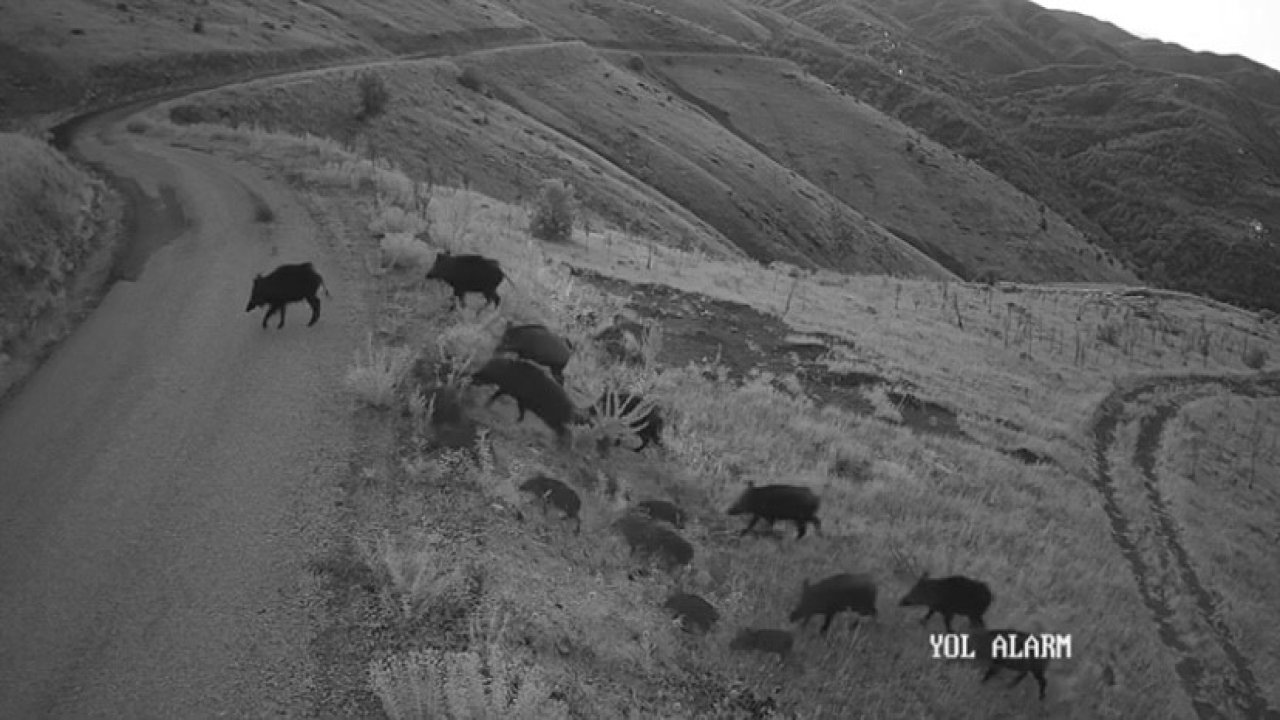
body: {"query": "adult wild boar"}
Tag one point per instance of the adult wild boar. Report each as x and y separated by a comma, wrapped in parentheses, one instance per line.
(287, 284)
(468, 273)
(778, 502)
(536, 343)
(1014, 639)
(654, 539)
(845, 591)
(532, 389)
(950, 596)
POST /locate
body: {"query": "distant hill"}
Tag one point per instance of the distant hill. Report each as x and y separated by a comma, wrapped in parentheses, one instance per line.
(994, 136)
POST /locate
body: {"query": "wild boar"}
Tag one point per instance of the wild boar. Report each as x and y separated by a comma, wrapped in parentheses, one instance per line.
(778, 642)
(468, 273)
(695, 614)
(284, 285)
(845, 591)
(950, 596)
(532, 389)
(538, 344)
(551, 491)
(664, 511)
(653, 539)
(1015, 640)
(778, 502)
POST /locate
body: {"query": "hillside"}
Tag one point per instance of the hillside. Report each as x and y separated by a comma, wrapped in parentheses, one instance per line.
(1167, 157)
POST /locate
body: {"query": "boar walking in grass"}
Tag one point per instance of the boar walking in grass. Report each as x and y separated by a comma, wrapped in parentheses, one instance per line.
(1014, 639)
(468, 273)
(638, 415)
(287, 284)
(695, 614)
(532, 389)
(845, 591)
(950, 596)
(778, 502)
(654, 539)
(537, 344)
(551, 491)
(664, 511)
(778, 642)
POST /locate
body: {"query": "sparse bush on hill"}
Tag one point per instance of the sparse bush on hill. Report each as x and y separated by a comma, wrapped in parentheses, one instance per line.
(198, 26)
(635, 64)
(553, 212)
(469, 79)
(1254, 357)
(374, 96)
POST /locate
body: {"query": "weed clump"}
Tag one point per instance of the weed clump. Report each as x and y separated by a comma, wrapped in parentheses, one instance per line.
(552, 219)
(1254, 358)
(469, 80)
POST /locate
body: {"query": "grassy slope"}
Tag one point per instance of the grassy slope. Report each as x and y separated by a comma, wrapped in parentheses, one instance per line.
(1220, 462)
(910, 499)
(947, 204)
(49, 216)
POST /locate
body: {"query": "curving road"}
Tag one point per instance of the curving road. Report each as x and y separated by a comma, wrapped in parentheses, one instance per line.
(1215, 674)
(167, 473)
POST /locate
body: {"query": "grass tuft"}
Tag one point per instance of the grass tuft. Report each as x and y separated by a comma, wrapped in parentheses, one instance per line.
(378, 373)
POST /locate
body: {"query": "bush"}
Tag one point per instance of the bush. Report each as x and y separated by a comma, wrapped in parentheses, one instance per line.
(635, 63)
(402, 249)
(374, 95)
(377, 374)
(552, 219)
(1254, 358)
(469, 80)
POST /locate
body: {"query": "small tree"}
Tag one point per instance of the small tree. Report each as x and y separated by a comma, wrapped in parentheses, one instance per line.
(374, 96)
(552, 219)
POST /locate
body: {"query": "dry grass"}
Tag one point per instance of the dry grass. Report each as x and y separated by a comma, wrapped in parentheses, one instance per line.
(402, 249)
(892, 500)
(378, 373)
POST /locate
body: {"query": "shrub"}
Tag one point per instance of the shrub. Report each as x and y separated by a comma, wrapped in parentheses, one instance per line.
(1254, 357)
(635, 63)
(198, 26)
(469, 80)
(377, 373)
(1109, 333)
(552, 219)
(374, 95)
(402, 249)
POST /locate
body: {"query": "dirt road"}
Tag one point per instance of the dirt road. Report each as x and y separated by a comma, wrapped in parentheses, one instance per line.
(167, 473)
(1216, 676)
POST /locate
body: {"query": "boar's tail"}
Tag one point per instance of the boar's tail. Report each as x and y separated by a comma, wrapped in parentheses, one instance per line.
(325, 288)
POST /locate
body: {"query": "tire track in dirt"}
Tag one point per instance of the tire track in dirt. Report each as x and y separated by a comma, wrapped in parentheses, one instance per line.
(1162, 568)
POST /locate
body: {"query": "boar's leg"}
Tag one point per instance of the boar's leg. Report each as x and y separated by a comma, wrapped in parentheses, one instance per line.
(946, 618)
(992, 669)
(314, 302)
(750, 525)
(827, 624)
(800, 525)
(1019, 678)
(496, 394)
(927, 615)
(281, 323)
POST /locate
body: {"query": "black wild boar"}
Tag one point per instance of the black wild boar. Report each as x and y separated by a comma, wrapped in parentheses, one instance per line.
(287, 284)
(550, 490)
(1015, 640)
(623, 405)
(950, 596)
(767, 641)
(468, 273)
(653, 539)
(664, 511)
(536, 343)
(778, 502)
(695, 614)
(532, 389)
(845, 591)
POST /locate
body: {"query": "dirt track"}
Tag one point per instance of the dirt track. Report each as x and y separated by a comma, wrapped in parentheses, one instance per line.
(171, 468)
(1216, 676)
